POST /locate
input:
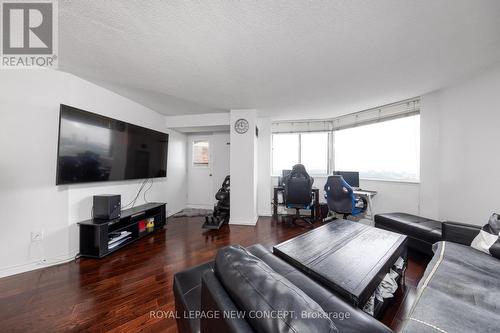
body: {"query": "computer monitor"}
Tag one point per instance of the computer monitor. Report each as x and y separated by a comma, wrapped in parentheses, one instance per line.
(351, 177)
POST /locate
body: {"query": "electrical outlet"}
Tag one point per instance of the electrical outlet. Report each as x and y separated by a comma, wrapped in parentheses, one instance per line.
(36, 236)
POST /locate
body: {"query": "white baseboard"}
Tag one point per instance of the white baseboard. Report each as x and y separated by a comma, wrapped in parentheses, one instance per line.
(240, 221)
(172, 213)
(35, 265)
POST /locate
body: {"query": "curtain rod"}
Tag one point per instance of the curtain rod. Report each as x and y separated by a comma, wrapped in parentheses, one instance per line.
(406, 101)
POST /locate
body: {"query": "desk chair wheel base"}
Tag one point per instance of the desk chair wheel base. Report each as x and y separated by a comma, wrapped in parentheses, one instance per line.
(308, 224)
(293, 219)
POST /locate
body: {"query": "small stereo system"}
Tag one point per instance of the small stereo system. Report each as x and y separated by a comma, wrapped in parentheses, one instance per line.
(107, 206)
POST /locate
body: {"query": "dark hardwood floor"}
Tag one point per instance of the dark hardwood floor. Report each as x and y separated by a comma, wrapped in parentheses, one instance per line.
(404, 297)
(118, 292)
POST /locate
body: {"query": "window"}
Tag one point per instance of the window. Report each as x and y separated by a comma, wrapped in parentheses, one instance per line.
(310, 149)
(200, 153)
(382, 143)
(388, 150)
(285, 152)
(314, 152)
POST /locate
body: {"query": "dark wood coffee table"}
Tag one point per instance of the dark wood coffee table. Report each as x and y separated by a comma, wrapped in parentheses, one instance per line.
(347, 257)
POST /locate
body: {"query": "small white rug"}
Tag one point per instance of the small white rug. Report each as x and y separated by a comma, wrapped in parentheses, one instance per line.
(192, 212)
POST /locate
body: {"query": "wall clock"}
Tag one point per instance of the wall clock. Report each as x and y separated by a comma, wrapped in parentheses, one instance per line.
(241, 126)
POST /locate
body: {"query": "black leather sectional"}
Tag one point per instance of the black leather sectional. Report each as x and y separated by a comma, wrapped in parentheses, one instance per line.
(254, 281)
(456, 294)
(460, 287)
(422, 232)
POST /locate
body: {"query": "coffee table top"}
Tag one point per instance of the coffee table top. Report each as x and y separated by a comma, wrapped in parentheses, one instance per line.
(348, 257)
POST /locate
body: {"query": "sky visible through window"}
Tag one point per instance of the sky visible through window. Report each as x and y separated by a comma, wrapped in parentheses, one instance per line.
(285, 152)
(386, 150)
(314, 152)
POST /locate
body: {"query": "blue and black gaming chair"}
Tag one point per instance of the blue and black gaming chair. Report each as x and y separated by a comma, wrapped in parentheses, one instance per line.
(341, 198)
(298, 191)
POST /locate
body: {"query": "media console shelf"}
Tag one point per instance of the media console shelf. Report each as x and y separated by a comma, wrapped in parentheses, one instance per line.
(98, 238)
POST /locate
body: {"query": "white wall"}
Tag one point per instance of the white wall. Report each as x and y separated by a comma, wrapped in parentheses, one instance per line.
(221, 146)
(264, 190)
(469, 168)
(29, 198)
(430, 157)
(243, 170)
(205, 120)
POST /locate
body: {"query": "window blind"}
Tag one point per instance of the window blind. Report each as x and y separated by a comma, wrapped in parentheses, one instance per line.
(400, 109)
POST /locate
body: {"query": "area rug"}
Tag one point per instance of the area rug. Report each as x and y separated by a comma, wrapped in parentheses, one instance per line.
(192, 212)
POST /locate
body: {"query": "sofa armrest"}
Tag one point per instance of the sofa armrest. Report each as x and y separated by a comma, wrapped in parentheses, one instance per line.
(460, 233)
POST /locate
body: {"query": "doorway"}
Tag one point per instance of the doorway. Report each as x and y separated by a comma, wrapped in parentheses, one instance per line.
(208, 164)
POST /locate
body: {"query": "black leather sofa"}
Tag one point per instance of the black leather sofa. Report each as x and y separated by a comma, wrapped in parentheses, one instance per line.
(422, 232)
(209, 297)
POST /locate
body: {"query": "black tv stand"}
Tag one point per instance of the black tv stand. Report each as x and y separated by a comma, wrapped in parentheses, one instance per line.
(96, 236)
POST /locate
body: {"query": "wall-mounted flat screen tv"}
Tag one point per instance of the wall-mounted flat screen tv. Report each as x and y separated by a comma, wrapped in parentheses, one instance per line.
(94, 148)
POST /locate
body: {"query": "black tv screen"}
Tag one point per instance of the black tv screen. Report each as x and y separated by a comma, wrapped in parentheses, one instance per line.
(94, 148)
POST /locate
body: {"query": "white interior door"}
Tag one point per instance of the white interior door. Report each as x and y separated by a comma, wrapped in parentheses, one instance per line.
(208, 165)
(200, 173)
(220, 150)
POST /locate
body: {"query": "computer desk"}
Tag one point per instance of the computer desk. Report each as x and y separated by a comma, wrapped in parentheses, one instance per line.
(368, 195)
(315, 213)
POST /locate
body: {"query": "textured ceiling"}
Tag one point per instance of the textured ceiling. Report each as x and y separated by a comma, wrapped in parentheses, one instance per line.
(284, 58)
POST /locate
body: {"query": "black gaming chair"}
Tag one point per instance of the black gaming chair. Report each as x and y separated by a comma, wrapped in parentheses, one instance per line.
(341, 198)
(298, 191)
(220, 214)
